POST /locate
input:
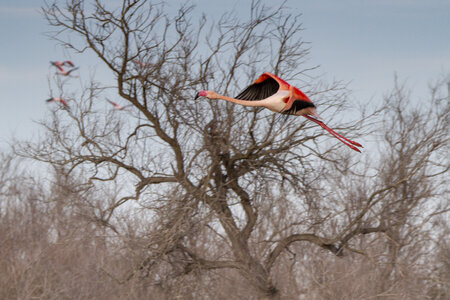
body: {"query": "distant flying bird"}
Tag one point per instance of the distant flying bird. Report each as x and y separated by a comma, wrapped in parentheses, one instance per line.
(140, 63)
(277, 95)
(63, 72)
(60, 64)
(117, 106)
(59, 100)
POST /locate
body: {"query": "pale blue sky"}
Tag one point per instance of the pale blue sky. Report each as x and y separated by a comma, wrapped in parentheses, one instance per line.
(362, 42)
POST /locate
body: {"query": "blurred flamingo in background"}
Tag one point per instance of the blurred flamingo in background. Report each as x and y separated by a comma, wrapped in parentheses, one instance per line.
(117, 106)
(140, 63)
(277, 95)
(61, 64)
(59, 100)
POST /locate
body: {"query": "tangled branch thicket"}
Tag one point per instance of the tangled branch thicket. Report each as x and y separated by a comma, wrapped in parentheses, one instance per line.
(200, 199)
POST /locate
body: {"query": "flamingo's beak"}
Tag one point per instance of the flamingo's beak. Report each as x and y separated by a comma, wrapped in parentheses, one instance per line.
(196, 96)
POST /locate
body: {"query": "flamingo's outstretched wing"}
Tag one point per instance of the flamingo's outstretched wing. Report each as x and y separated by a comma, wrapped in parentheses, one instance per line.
(56, 63)
(265, 86)
(59, 68)
(113, 103)
(71, 70)
(64, 103)
(70, 63)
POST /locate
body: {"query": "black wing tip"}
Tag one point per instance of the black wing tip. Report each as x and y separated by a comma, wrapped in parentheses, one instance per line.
(260, 90)
(298, 105)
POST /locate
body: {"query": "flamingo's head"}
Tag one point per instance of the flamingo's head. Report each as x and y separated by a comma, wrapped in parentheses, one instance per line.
(201, 94)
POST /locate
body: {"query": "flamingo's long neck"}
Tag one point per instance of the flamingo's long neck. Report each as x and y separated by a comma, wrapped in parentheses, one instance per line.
(242, 102)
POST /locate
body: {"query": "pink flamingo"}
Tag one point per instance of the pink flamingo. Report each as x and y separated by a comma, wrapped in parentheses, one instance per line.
(140, 63)
(117, 106)
(59, 100)
(60, 64)
(277, 95)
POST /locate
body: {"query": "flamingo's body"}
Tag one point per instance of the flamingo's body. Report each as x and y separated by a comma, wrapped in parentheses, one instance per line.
(59, 100)
(277, 95)
(117, 106)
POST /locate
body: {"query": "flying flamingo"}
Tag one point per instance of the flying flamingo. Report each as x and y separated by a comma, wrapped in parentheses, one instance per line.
(117, 106)
(277, 95)
(58, 99)
(60, 64)
(63, 72)
(140, 63)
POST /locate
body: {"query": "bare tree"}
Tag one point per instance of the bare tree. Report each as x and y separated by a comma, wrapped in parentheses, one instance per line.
(404, 195)
(197, 194)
